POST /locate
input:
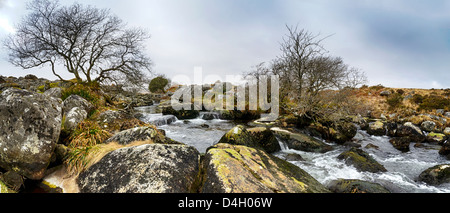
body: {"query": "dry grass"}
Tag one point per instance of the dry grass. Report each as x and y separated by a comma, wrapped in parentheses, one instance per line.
(81, 158)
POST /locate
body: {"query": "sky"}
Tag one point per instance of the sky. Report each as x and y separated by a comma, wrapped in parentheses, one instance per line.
(397, 43)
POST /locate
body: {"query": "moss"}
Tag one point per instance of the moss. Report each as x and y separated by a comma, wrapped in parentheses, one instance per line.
(4, 188)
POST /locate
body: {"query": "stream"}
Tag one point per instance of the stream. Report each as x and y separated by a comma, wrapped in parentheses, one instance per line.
(403, 168)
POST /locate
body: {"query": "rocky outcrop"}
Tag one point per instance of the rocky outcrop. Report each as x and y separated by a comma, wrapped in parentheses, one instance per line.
(151, 168)
(302, 142)
(240, 169)
(356, 186)
(29, 130)
(181, 114)
(436, 175)
(140, 134)
(361, 160)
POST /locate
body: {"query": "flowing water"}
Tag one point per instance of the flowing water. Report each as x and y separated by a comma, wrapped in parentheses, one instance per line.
(403, 168)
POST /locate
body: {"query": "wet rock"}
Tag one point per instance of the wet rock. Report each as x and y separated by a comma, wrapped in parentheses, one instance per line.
(265, 138)
(356, 186)
(293, 157)
(445, 149)
(342, 132)
(371, 146)
(361, 160)
(376, 128)
(436, 175)
(241, 169)
(29, 130)
(181, 114)
(151, 168)
(411, 131)
(401, 144)
(302, 142)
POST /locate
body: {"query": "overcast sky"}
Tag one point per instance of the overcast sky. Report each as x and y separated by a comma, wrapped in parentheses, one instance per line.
(397, 43)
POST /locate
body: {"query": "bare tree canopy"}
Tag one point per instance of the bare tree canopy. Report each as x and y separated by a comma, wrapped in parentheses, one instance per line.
(311, 78)
(90, 43)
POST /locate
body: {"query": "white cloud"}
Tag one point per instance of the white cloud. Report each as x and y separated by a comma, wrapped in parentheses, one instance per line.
(6, 26)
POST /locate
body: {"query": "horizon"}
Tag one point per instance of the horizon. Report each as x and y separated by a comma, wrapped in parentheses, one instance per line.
(398, 44)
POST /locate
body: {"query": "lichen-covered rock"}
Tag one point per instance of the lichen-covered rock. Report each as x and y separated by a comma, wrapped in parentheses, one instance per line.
(356, 186)
(376, 128)
(140, 134)
(73, 118)
(265, 138)
(241, 169)
(55, 92)
(29, 130)
(361, 160)
(302, 142)
(151, 168)
(436, 175)
(433, 137)
(76, 101)
(239, 135)
(428, 126)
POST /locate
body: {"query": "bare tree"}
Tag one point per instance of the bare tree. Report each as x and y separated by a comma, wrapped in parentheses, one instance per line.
(316, 82)
(90, 43)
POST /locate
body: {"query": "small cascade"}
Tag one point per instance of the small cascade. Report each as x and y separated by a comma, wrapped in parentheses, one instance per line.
(209, 115)
(159, 119)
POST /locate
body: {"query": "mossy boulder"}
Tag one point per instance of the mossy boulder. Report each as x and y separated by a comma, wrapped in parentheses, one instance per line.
(342, 132)
(401, 144)
(356, 186)
(433, 137)
(265, 139)
(302, 142)
(436, 175)
(361, 160)
(413, 132)
(376, 128)
(241, 169)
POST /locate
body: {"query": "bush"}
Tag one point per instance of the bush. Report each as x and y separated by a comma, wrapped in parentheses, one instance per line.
(158, 84)
(417, 99)
(394, 100)
(431, 102)
(90, 92)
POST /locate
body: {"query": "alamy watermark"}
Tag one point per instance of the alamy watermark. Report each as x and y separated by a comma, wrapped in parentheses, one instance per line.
(251, 93)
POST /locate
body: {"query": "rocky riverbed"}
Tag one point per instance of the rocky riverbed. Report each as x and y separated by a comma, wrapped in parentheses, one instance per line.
(68, 138)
